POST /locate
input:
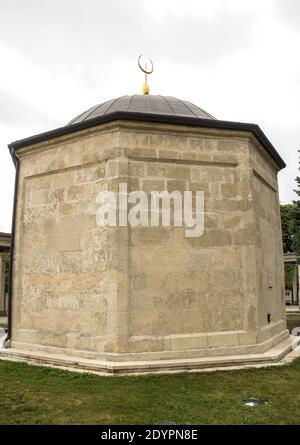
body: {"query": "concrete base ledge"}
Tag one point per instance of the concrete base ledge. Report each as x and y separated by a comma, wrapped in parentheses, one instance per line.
(293, 310)
(149, 355)
(293, 315)
(274, 355)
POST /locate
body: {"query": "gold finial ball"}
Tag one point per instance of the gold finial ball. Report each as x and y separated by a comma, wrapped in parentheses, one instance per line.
(146, 88)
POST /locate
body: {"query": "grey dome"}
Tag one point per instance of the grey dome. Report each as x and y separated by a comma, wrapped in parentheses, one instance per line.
(138, 103)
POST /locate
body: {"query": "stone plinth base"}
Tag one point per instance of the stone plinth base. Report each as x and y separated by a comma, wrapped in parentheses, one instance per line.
(175, 347)
(272, 356)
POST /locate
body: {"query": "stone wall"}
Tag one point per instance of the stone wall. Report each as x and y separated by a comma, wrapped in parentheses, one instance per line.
(271, 314)
(90, 291)
(190, 293)
(63, 261)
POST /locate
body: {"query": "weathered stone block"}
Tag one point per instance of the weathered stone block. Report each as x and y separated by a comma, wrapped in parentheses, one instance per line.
(222, 339)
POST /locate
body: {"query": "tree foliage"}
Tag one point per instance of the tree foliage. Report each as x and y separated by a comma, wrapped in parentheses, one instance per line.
(286, 225)
(294, 225)
(290, 222)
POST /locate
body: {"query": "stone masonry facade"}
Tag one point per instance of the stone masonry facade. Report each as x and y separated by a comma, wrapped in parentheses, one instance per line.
(123, 293)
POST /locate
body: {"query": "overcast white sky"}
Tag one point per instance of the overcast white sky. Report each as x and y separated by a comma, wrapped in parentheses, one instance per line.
(239, 60)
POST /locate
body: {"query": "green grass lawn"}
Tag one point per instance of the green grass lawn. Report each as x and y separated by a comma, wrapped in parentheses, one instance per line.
(37, 395)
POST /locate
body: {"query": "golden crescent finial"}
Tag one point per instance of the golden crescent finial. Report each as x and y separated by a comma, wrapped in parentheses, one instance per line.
(146, 71)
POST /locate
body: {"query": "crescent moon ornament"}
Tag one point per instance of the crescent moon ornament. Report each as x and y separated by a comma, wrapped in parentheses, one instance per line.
(144, 66)
(145, 69)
